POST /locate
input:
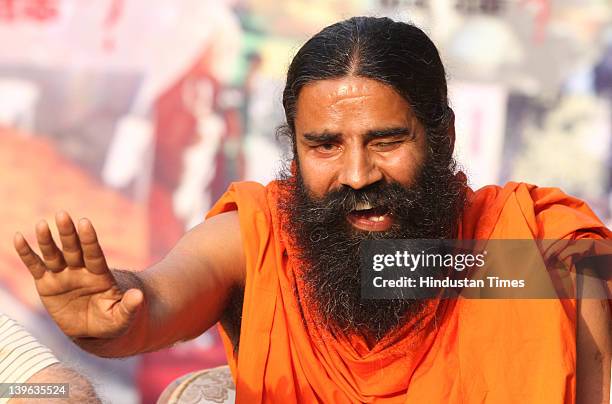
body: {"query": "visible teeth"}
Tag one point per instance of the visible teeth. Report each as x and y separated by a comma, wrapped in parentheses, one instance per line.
(363, 206)
(376, 218)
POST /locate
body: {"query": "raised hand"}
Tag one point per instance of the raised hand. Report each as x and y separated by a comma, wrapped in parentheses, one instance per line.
(75, 284)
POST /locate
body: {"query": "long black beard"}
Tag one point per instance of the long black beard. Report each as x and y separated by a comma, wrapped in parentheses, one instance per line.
(329, 246)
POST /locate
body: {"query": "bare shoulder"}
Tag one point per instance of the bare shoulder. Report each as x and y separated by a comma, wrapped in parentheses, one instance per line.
(80, 389)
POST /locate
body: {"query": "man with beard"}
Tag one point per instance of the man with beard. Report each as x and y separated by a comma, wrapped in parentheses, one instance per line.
(372, 137)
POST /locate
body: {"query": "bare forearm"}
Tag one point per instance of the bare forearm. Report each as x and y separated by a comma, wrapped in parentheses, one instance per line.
(594, 342)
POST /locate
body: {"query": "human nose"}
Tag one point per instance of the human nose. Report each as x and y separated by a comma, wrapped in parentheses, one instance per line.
(358, 170)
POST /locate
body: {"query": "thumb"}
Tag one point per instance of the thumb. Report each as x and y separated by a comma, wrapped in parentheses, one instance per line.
(130, 302)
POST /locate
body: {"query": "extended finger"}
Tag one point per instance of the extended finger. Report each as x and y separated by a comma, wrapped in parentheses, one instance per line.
(28, 257)
(54, 259)
(92, 252)
(71, 245)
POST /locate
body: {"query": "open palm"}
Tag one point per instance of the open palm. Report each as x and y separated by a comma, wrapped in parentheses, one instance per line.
(75, 284)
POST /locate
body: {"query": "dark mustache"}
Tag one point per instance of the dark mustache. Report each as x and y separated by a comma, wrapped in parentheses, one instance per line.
(338, 203)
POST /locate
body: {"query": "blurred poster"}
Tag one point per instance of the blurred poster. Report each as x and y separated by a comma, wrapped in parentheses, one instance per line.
(38, 181)
(116, 110)
(480, 124)
(570, 146)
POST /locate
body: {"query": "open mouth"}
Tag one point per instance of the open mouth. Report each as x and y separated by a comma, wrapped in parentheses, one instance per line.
(370, 218)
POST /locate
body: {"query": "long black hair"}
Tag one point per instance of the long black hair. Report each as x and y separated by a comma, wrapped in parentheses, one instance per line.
(395, 53)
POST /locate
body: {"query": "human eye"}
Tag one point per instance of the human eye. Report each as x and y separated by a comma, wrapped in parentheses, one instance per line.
(326, 148)
(387, 145)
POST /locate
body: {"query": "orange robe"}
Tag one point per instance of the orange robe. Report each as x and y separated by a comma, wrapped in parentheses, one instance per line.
(469, 351)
